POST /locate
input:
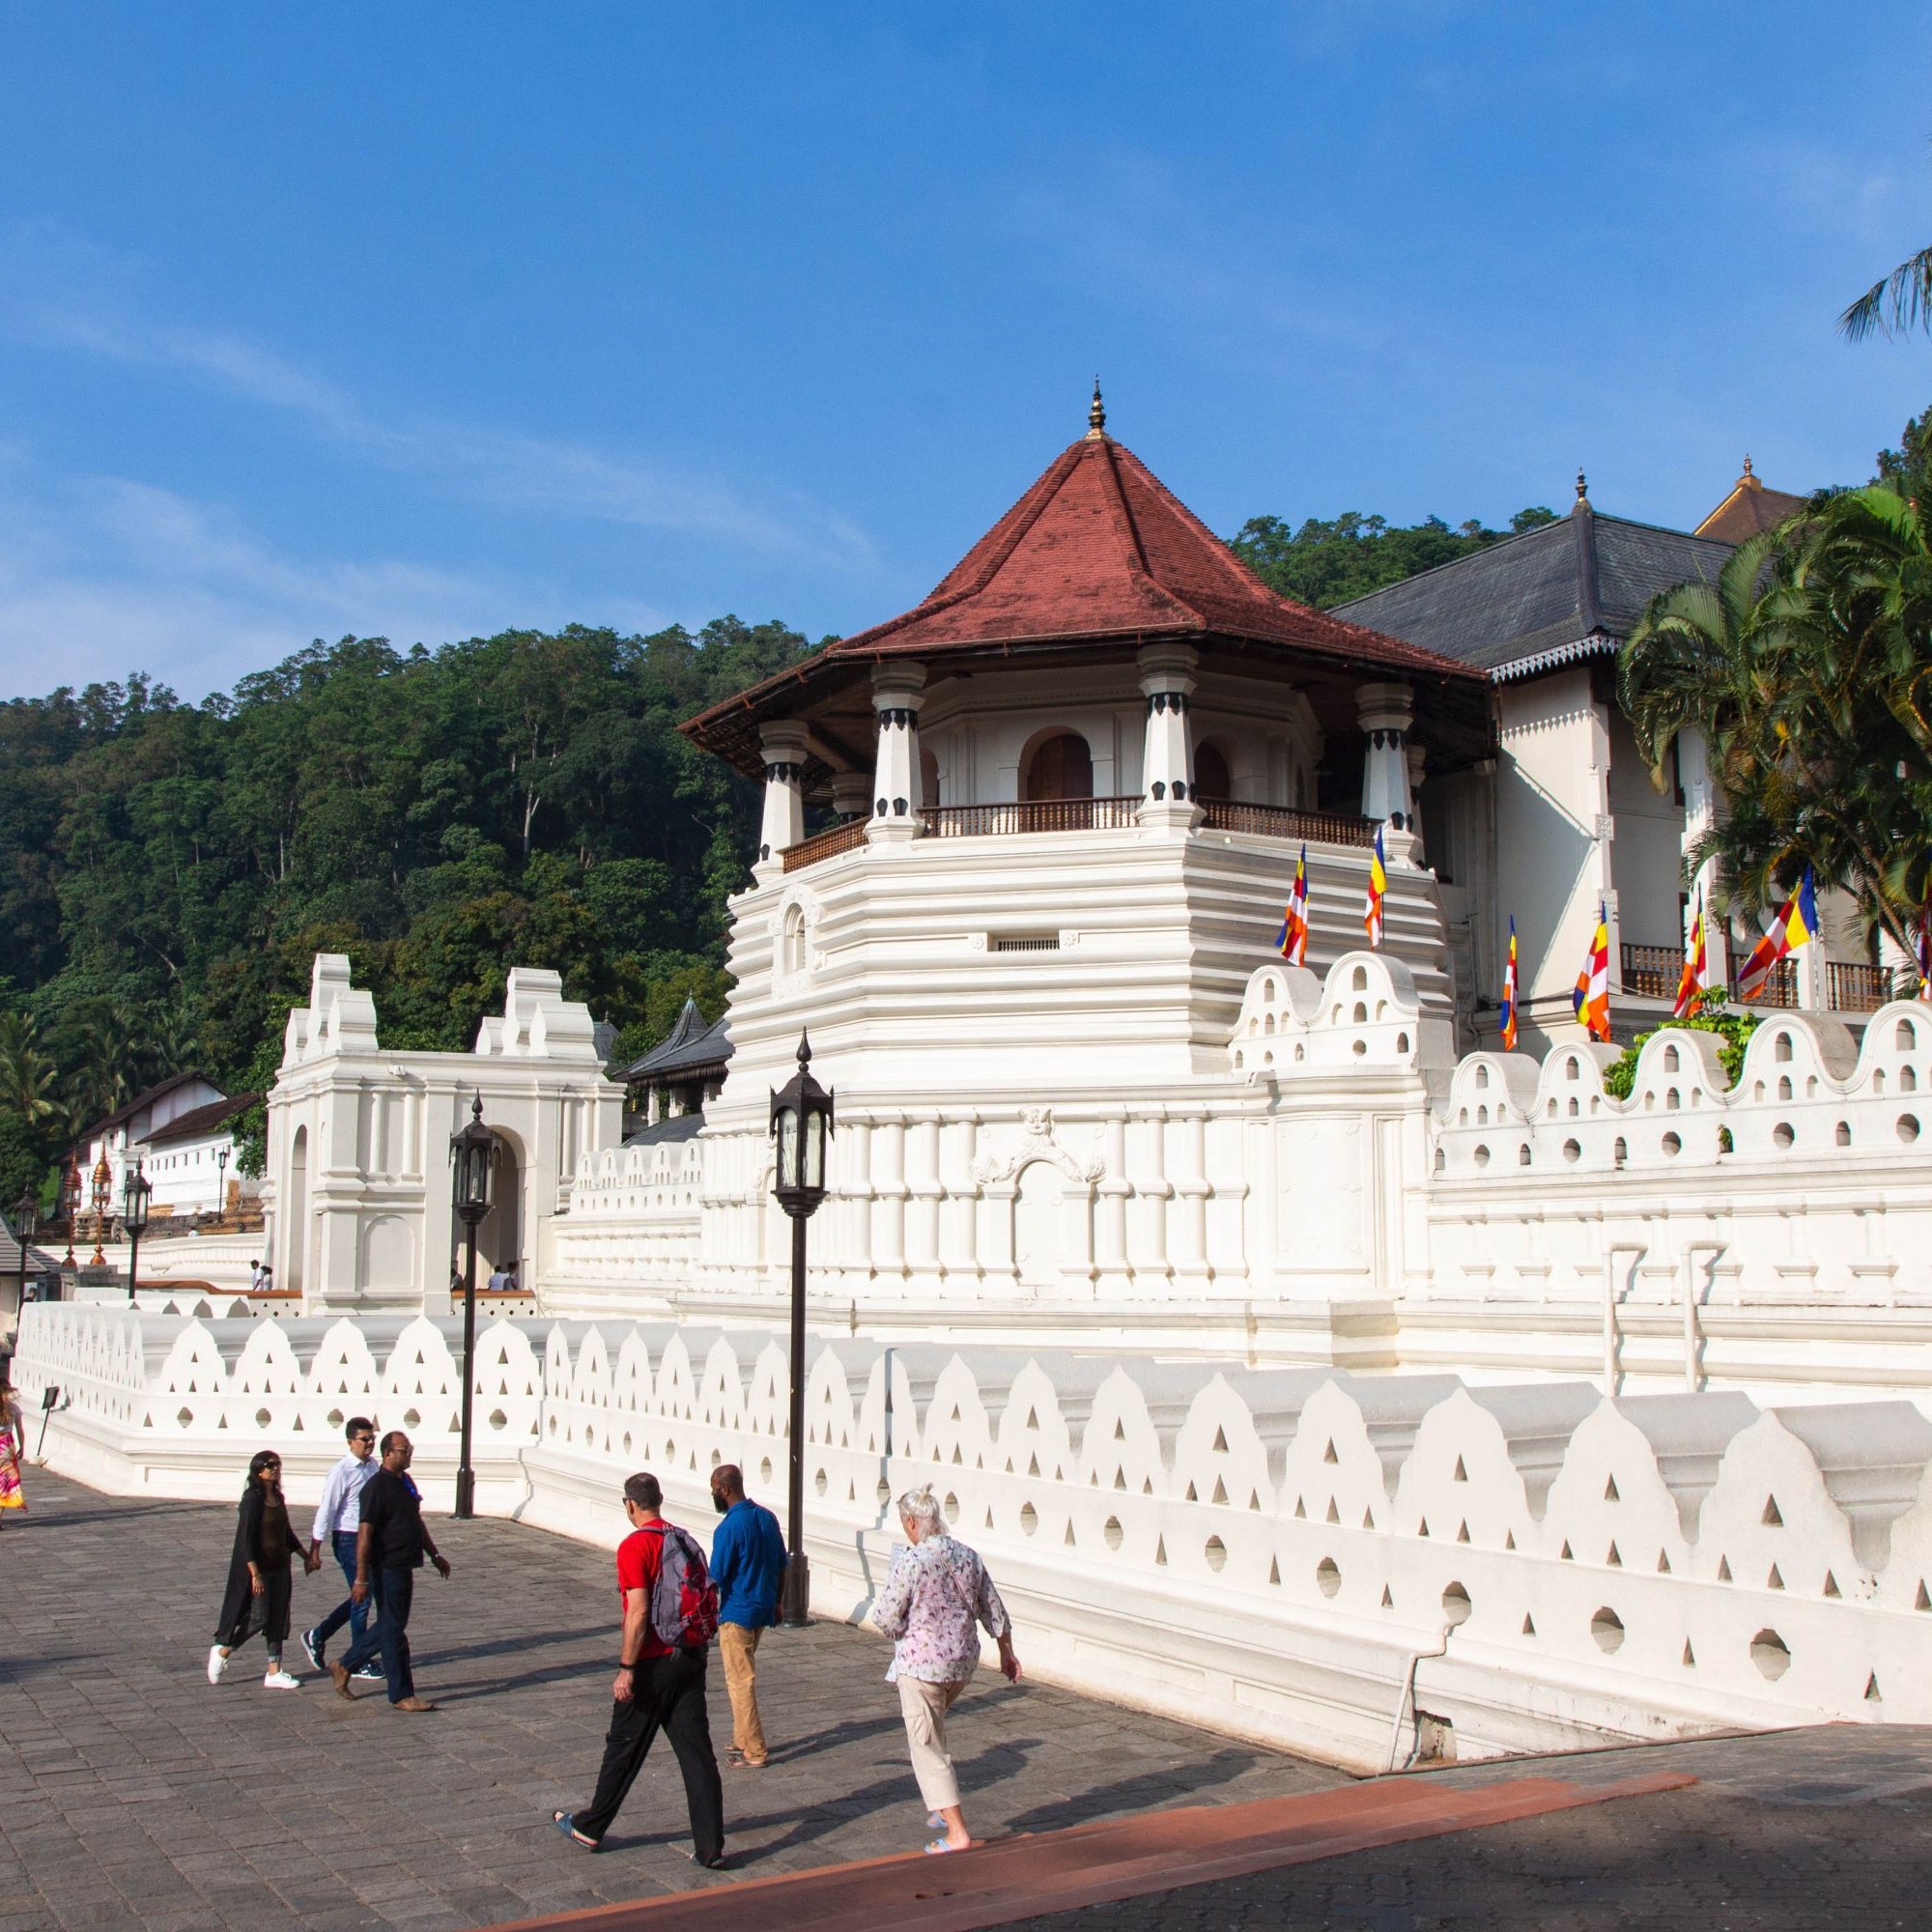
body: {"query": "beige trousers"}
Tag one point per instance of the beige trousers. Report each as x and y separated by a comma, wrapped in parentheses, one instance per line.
(924, 1706)
(739, 1648)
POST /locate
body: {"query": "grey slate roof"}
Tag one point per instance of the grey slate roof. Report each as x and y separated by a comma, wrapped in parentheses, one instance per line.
(679, 1127)
(689, 1046)
(1569, 589)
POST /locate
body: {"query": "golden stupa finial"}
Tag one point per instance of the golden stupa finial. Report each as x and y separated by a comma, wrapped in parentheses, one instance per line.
(1097, 415)
(1582, 489)
(1747, 477)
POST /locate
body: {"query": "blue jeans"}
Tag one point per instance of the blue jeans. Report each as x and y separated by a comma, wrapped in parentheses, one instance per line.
(356, 1616)
(393, 1591)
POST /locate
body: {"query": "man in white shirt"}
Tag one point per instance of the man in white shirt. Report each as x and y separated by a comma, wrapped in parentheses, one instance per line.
(336, 1523)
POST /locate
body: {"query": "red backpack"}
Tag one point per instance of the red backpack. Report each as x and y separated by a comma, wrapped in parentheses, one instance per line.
(684, 1600)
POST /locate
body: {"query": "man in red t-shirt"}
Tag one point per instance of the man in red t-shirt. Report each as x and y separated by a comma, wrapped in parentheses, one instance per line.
(658, 1687)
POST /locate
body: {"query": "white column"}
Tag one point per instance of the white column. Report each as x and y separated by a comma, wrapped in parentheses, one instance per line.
(784, 822)
(1385, 712)
(1417, 759)
(852, 794)
(1167, 762)
(897, 696)
(1702, 805)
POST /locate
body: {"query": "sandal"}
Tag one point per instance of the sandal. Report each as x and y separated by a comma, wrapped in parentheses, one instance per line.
(564, 1823)
(940, 1845)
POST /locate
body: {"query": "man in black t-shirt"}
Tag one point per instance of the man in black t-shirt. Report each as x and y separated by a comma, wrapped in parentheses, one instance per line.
(391, 1545)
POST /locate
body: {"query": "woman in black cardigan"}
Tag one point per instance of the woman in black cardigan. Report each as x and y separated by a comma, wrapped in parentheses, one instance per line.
(259, 1578)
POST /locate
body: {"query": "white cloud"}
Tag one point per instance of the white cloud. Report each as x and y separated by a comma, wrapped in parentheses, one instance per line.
(101, 577)
(67, 295)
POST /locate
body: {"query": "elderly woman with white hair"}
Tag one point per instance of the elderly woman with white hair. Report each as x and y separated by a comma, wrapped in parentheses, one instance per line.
(937, 1593)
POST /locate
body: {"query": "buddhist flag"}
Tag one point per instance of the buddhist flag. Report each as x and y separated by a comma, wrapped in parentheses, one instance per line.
(1379, 879)
(1509, 993)
(1923, 950)
(1291, 941)
(1691, 983)
(1794, 926)
(1592, 997)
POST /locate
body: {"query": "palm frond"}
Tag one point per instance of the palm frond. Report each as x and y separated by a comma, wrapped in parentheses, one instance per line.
(1894, 306)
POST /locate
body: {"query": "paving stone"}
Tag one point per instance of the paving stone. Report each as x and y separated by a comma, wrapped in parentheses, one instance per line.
(137, 1795)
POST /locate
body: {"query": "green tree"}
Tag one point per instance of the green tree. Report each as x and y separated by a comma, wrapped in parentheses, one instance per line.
(1329, 563)
(1897, 304)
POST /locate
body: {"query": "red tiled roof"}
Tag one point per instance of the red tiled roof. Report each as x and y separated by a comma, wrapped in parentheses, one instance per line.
(1099, 547)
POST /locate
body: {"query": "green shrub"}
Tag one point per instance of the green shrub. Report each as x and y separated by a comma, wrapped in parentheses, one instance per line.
(1735, 1029)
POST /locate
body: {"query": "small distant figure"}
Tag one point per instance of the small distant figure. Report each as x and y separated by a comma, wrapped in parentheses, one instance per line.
(267, 1284)
(254, 1275)
(391, 1542)
(670, 1610)
(258, 1580)
(12, 1435)
(937, 1591)
(747, 1562)
(337, 1522)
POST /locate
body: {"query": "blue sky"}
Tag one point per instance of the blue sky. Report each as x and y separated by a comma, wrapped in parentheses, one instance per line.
(426, 320)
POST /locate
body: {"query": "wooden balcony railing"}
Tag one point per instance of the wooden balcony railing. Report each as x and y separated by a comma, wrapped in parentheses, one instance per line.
(1281, 821)
(1781, 988)
(1652, 971)
(1042, 815)
(1092, 814)
(825, 844)
(1857, 988)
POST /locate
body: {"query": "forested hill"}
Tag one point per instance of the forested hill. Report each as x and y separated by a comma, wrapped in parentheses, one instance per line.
(1328, 563)
(168, 869)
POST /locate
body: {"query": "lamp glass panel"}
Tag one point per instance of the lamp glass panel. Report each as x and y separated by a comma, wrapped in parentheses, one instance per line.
(788, 1176)
(814, 1150)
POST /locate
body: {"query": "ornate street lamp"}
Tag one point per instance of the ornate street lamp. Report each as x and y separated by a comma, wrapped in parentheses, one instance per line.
(26, 1219)
(134, 1218)
(220, 1184)
(103, 1194)
(801, 1123)
(70, 1202)
(473, 1154)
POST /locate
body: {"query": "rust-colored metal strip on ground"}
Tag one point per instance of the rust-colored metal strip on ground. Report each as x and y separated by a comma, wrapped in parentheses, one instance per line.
(1017, 1878)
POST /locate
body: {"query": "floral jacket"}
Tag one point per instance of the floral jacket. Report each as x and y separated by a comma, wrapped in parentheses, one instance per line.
(937, 1591)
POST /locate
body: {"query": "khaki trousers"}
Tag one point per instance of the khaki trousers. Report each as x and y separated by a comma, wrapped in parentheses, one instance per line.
(739, 1648)
(924, 1706)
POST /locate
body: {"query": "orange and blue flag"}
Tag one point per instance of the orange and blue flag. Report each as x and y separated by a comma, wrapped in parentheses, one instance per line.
(1509, 994)
(1379, 879)
(1924, 948)
(1691, 981)
(1291, 941)
(1795, 926)
(1592, 998)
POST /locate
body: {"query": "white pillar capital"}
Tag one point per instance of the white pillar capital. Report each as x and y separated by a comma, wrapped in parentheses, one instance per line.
(852, 794)
(1386, 712)
(1167, 763)
(898, 689)
(783, 744)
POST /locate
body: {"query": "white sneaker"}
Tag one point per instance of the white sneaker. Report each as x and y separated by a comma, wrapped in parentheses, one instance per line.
(280, 1680)
(217, 1664)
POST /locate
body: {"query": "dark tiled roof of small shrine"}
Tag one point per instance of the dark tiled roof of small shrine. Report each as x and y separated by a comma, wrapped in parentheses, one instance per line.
(689, 1046)
(1098, 548)
(200, 1121)
(1570, 589)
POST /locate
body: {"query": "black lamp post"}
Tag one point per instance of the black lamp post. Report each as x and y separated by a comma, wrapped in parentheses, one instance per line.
(134, 1218)
(474, 1152)
(220, 1184)
(26, 1219)
(801, 1122)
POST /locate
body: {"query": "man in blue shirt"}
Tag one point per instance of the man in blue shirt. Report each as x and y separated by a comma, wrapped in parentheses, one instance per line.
(747, 1560)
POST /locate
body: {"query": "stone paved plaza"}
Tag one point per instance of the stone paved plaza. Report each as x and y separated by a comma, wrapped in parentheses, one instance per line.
(134, 1795)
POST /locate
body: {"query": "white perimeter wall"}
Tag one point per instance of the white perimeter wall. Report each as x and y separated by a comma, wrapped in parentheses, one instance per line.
(1264, 1552)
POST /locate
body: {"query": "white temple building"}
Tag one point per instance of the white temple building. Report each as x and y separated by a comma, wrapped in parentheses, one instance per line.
(1188, 1276)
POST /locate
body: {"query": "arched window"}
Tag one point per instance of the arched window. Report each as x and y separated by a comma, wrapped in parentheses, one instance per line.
(791, 943)
(929, 779)
(1211, 773)
(1060, 767)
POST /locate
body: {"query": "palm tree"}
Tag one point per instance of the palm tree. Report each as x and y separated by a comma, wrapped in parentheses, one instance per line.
(1808, 667)
(26, 1073)
(1899, 303)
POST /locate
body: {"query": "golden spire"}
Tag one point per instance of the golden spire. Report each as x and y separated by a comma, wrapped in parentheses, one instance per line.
(1097, 415)
(1582, 489)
